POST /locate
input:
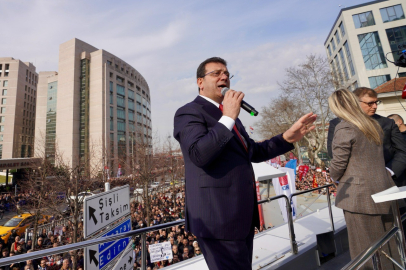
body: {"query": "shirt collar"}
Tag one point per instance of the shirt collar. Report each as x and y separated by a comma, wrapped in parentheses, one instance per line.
(211, 101)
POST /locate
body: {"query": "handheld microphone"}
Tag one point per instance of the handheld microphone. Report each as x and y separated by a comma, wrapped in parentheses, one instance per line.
(248, 108)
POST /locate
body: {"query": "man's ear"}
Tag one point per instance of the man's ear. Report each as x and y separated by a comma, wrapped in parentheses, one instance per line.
(200, 83)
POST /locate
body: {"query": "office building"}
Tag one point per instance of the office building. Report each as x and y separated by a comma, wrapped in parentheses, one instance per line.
(359, 40)
(94, 108)
(18, 86)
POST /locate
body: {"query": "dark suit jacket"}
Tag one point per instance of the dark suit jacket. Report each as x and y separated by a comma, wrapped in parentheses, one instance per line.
(394, 146)
(220, 196)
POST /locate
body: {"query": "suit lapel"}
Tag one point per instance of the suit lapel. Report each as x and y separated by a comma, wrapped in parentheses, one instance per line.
(215, 112)
(209, 108)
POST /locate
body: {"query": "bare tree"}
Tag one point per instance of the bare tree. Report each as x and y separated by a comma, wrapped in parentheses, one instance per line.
(305, 89)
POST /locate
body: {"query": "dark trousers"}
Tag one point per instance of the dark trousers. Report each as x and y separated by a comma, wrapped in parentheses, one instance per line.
(228, 254)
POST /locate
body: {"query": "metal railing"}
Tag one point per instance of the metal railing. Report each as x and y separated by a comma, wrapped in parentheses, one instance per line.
(48, 227)
(144, 231)
(373, 250)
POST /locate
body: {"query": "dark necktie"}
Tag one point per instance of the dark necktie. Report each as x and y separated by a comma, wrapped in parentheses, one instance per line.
(236, 131)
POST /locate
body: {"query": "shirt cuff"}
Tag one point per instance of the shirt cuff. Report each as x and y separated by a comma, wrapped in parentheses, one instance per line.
(227, 121)
(391, 172)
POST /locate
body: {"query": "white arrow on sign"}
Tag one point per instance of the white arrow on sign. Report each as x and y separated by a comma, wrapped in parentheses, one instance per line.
(126, 261)
(105, 208)
(101, 256)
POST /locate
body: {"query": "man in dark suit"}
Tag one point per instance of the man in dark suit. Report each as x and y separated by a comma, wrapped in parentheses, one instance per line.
(394, 146)
(400, 123)
(221, 206)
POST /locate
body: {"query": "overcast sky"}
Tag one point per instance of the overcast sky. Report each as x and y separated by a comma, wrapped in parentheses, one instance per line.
(166, 41)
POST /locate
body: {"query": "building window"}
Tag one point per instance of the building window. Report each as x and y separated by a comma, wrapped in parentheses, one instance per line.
(4, 92)
(5, 83)
(120, 90)
(4, 101)
(402, 74)
(329, 50)
(131, 115)
(2, 119)
(396, 37)
(119, 79)
(376, 81)
(341, 26)
(111, 74)
(111, 123)
(1, 128)
(349, 58)
(363, 19)
(337, 37)
(372, 51)
(393, 13)
(109, 63)
(332, 44)
(343, 64)
(111, 111)
(120, 101)
(7, 69)
(3, 110)
(120, 113)
(1, 137)
(1, 69)
(338, 70)
(131, 94)
(131, 104)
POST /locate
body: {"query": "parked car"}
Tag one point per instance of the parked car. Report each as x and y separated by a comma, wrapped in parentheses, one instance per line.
(19, 223)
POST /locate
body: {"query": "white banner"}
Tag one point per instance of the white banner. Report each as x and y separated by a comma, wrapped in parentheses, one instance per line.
(160, 252)
(286, 189)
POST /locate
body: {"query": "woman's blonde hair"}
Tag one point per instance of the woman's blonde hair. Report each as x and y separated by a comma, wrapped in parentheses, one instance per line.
(344, 105)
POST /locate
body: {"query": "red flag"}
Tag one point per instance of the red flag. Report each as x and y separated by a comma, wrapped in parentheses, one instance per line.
(404, 92)
(314, 185)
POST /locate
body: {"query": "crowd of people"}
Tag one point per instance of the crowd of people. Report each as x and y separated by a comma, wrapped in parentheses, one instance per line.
(306, 182)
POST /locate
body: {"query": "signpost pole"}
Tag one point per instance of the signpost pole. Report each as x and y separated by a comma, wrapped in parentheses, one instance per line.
(143, 252)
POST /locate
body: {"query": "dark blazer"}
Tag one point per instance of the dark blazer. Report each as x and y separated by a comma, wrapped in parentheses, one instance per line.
(394, 147)
(220, 196)
(359, 166)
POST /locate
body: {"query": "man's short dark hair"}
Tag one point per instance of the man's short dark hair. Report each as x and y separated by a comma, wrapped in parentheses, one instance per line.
(362, 91)
(201, 70)
(396, 117)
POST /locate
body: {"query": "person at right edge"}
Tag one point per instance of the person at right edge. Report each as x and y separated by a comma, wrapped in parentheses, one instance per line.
(358, 166)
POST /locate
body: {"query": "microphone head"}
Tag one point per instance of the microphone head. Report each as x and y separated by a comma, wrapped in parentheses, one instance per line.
(224, 90)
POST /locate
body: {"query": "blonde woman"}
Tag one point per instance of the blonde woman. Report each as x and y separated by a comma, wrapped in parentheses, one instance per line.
(358, 166)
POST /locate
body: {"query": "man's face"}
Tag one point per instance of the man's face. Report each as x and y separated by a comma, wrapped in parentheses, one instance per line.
(368, 109)
(210, 85)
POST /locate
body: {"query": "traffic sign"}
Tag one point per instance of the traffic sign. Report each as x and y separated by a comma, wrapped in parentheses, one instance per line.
(98, 256)
(102, 209)
(126, 261)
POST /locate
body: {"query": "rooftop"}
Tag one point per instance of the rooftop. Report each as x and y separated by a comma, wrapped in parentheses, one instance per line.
(388, 86)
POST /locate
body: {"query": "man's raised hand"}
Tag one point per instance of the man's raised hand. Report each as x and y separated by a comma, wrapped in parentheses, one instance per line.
(299, 129)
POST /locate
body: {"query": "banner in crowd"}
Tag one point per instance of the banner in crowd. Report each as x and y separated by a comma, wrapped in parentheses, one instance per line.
(314, 184)
(303, 169)
(286, 185)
